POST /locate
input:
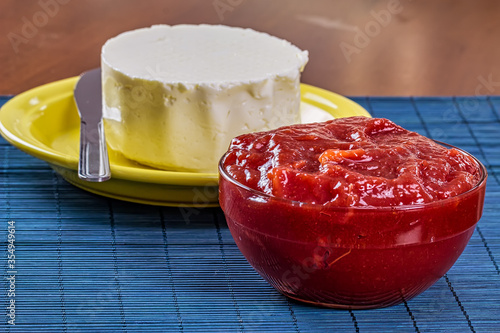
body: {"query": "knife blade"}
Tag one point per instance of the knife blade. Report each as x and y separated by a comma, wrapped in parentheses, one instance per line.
(93, 163)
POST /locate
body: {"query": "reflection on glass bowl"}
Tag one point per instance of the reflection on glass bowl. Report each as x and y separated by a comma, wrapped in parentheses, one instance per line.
(349, 257)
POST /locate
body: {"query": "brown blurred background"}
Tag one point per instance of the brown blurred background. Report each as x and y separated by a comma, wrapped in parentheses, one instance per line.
(368, 47)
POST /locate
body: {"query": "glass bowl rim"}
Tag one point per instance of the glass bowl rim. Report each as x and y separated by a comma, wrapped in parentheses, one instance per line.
(482, 182)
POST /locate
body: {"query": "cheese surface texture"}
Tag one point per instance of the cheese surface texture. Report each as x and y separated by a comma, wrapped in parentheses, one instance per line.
(175, 96)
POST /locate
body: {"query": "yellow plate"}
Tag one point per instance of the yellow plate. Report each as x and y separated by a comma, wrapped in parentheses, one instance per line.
(44, 122)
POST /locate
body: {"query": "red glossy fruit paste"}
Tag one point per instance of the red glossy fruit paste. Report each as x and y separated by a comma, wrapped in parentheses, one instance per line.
(354, 161)
(376, 217)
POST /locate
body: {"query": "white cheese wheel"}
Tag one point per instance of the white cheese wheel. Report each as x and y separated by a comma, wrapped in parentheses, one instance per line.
(174, 96)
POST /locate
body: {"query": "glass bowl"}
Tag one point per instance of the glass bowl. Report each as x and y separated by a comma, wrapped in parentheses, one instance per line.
(349, 257)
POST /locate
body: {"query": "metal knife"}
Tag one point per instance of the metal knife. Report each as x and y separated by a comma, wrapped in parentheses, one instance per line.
(93, 164)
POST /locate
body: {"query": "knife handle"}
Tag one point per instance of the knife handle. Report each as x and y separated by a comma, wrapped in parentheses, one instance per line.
(94, 163)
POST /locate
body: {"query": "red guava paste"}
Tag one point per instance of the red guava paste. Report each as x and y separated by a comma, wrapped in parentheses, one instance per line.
(354, 161)
(379, 213)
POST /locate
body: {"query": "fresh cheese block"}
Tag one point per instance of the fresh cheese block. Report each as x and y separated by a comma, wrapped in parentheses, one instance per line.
(175, 96)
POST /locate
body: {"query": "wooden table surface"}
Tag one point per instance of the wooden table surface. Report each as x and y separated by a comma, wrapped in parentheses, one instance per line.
(388, 47)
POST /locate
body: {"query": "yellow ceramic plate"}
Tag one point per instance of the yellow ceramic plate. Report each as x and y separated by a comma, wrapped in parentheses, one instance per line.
(44, 122)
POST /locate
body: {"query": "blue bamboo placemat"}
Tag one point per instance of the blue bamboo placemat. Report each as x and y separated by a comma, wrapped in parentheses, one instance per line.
(85, 263)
